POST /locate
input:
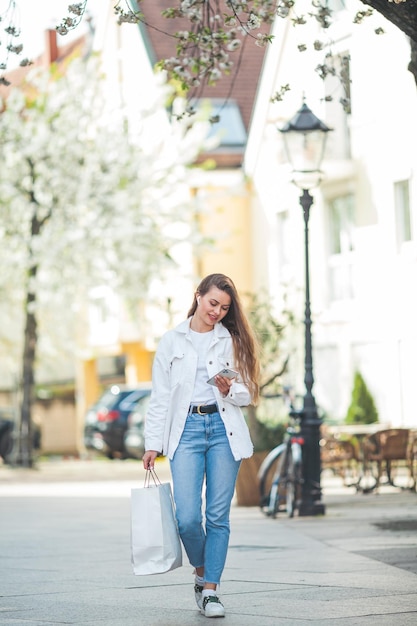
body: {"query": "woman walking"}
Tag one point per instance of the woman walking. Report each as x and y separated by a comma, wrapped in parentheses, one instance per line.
(200, 426)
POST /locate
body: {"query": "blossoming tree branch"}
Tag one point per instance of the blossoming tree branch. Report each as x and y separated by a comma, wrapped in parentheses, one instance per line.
(213, 33)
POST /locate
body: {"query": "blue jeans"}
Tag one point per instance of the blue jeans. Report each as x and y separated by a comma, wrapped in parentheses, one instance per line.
(204, 452)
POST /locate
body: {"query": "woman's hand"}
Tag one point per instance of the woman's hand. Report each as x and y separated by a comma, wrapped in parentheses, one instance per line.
(223, 384)
(149, 459)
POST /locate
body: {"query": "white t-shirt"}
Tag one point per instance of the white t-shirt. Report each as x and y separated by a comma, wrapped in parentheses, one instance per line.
(203, 392)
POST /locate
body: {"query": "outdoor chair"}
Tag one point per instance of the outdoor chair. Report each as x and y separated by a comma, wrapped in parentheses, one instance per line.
(413, 459)
(341, 456)
(385, 451)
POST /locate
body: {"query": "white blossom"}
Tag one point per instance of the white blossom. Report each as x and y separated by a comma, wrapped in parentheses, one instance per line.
(253, 22)
(234, 45)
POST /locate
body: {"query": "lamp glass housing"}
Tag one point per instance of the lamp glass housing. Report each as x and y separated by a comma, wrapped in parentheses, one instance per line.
(305, 141)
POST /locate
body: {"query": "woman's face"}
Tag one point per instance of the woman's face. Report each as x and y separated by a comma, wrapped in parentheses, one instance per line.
(212, 307)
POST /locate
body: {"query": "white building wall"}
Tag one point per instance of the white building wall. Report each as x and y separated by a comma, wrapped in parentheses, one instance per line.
(374, 328)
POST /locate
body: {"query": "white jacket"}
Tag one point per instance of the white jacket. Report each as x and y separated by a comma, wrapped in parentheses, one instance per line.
(173, 376)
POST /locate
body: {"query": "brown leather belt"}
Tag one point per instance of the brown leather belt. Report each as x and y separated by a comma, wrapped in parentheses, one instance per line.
(204, 409)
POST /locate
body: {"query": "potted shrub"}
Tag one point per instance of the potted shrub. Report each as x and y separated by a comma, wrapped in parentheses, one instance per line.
(265, 436)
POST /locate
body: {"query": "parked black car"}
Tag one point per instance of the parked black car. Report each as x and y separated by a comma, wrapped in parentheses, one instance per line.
(134, 436)
(106, 421)
(6, 436)
(9, 436)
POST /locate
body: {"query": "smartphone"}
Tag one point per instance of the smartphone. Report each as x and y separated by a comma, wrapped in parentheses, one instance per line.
(228, 373)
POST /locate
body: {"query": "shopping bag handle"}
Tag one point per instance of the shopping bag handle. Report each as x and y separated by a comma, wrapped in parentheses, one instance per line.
(151, 474)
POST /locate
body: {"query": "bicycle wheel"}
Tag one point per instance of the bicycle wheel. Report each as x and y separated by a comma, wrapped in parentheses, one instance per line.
(270, 486)
(277, 495)
(293, 480)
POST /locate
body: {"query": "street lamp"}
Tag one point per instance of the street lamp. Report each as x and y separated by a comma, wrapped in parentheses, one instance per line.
(304, 139)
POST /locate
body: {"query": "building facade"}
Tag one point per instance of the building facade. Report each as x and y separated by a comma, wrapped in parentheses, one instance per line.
(363, 225)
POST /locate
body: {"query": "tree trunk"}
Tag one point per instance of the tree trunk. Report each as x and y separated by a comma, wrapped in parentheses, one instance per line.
(25, 455)
(25, 441)
(25, 447)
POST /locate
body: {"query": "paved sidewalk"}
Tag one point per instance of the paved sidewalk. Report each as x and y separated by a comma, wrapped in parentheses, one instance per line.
(65, 557)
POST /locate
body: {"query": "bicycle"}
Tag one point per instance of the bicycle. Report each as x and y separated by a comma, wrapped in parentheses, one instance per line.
(281, 473)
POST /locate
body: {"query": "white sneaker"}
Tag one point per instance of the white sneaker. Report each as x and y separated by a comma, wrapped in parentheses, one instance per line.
(212, 607)
(198, 592)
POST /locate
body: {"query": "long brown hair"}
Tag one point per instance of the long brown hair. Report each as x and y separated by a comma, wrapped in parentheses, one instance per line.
(245, 346)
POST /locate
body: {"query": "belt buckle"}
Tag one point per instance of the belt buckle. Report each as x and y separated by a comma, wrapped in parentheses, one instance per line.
(199, 409)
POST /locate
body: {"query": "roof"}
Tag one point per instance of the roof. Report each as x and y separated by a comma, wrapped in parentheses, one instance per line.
(53, 53)
(241, 85)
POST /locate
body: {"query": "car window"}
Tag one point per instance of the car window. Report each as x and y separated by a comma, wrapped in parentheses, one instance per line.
(109, 398)
(137, 416)
(106, 399)
(141, 405)
(129, 403)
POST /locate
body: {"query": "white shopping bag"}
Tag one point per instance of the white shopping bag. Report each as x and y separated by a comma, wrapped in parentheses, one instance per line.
(155, 541)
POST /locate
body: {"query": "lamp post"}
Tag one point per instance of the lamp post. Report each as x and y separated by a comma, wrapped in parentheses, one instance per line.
(304, 139)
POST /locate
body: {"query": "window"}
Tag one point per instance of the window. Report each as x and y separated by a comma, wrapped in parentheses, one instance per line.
(341, 246)
(341, 218)
(226, 132)
(402, 212)
(230, 127)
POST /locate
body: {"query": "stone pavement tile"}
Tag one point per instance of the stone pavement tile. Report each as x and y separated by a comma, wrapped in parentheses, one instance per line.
(402, 557)
(314, 603)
